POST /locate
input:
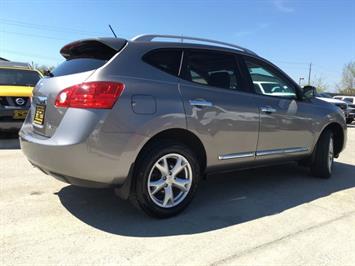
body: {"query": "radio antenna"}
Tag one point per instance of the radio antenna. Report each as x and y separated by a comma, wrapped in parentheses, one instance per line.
(113, 32)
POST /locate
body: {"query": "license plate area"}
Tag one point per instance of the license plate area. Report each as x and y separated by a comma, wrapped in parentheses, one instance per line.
(19, 114)
(38, 118)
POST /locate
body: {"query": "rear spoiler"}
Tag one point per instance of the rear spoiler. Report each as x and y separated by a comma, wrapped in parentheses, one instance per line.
(99, 48)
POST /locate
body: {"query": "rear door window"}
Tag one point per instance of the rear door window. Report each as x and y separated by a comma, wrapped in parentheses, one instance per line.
(167, 60)
(211, 68)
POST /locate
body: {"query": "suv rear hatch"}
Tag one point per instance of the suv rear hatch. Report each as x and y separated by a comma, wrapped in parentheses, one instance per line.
(83, 58)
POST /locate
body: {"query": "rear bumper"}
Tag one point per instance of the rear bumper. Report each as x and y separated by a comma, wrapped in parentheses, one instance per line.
(11, 125)
(99, 159)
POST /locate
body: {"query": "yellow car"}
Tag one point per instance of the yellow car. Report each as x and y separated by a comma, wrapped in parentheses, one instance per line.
(16, 84)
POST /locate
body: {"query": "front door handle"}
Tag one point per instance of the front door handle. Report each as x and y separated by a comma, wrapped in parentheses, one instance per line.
(200, 103)
(267, 110)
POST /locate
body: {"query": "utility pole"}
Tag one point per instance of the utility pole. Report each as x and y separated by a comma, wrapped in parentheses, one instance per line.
(309, 74)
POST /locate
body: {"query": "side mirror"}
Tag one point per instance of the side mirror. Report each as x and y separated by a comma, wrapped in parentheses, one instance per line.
(309, 92)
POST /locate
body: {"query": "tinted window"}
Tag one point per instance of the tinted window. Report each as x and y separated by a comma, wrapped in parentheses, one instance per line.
(167, 60)
(267, 82)
(73, 66)
(211, 68)
(18, 77)
(348, 99)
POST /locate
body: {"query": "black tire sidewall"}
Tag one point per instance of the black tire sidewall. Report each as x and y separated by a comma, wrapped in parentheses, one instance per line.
(143, 169)
(320, 167)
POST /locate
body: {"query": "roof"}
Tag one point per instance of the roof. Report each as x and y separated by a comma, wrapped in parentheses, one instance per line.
(10, 64)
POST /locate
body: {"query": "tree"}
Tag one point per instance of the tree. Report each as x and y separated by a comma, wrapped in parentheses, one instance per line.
(42, 68)
(320, 84)
(348, 79)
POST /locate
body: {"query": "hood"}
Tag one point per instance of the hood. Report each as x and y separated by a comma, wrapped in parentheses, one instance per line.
(16, 91)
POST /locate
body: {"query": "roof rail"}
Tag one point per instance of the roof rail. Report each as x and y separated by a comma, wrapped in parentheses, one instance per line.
(150, 37)
(14, 64)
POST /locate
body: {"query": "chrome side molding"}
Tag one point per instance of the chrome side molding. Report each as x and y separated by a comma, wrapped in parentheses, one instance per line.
(281, 151)
(236, 155)
(262, 153)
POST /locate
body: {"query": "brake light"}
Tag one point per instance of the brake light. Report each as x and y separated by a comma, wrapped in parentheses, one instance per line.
(98, 94)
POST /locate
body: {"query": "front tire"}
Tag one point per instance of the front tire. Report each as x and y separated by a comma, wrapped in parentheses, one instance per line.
(324, 156)
(166, 179)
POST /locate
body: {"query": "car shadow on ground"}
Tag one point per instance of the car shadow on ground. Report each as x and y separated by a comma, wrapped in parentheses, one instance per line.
(222, 200)
(9, 141)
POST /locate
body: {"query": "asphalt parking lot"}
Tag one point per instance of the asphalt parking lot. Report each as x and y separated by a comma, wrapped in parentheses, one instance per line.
(269, 216)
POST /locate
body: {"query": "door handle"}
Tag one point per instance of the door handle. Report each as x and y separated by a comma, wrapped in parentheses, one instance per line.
(200, 103)
(267, 110)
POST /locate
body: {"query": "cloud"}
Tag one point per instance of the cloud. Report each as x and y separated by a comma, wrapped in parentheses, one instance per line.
(282, 6)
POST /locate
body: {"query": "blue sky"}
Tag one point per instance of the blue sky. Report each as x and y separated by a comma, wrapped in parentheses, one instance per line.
(289, 33)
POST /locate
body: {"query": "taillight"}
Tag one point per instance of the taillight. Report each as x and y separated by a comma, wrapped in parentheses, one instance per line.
(97, 94)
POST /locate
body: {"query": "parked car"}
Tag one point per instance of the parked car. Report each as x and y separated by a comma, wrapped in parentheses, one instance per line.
(16, 84)
(341, 104)
(150, 118)
(271, 88)
(350, 100)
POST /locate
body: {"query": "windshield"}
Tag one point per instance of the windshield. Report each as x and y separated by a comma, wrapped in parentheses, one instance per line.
(18, 77)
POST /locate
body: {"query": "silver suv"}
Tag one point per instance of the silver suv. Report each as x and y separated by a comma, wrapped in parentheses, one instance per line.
(151, 117)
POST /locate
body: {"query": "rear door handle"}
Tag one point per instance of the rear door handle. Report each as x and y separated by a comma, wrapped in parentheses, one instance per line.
(267, 110)
(200, 103)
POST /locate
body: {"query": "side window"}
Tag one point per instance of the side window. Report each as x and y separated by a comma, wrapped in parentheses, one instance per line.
(210, 68)
(167, 60)
(348, 99)
(267, 82)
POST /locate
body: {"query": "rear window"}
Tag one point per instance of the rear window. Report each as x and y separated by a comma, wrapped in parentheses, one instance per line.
(18, 77)
(167, 60)
(73, 66)
(86, 55)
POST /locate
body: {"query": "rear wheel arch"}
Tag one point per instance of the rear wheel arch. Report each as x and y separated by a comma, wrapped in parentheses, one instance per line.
(182, 136)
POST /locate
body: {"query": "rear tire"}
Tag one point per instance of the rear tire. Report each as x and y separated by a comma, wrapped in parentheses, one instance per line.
(166, 179)
(324, 156)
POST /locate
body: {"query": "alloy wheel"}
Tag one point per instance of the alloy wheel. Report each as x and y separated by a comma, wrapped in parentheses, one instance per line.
(169, 180)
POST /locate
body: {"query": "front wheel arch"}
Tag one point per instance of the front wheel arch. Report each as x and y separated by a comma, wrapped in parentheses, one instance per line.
(338, 135)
